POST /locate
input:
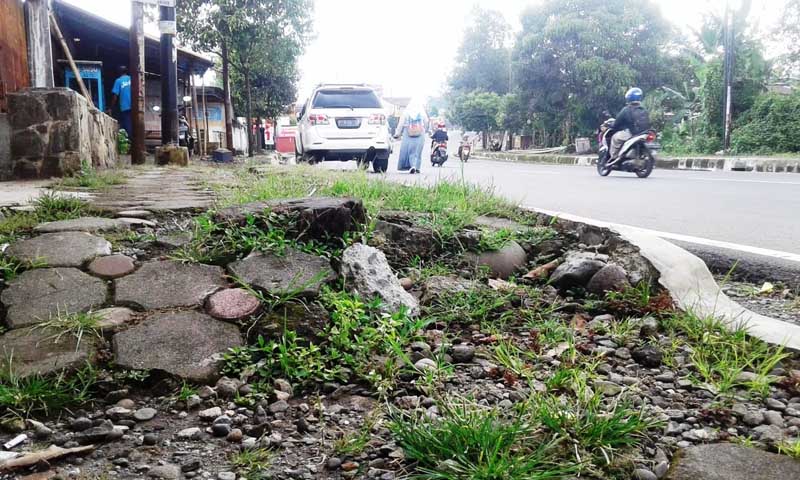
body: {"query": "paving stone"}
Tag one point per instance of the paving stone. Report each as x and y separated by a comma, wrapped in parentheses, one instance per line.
(294, 271)
(138, 222)
(41, 351)
(168, 284)
(725, 461)
(185, 344)
(173, 239)
(38, 294)
(134, 214)
(112, 266)
(83, 224)
(232, 304)
(66, 249)
(113, 319)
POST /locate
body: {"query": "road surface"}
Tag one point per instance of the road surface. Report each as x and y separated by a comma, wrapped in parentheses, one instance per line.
(723, 216)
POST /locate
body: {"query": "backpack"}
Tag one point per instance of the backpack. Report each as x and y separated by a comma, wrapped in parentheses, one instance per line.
(641, 120)
(415, 126)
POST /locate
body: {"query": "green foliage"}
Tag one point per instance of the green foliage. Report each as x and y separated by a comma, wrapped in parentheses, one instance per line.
(468, 442)
(251, 464)
(123, 142)
(93, 179)
(790, 447)
(186, 391)
(476, 110)
(772, 125)
(482, 58)
(52, 206)
(37, 394)
(77, 325)
(481, 306)
(721, 352)
(354, 443)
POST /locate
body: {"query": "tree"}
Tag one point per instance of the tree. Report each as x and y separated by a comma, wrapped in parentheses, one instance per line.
(241, 32)
(477, 110)
(483, 61)
(575, 58)
(787, 38)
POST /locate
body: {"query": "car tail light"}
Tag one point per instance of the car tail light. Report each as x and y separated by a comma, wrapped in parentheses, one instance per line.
(651, 136)
(318, 119)
(377, 119)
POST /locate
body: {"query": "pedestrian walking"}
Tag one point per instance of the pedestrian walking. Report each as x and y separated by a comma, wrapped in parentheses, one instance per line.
(411, 127)
(122, 94)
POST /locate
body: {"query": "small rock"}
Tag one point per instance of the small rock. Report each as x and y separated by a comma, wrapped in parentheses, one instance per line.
(193, 401)
(210, 413)
(118, 413)
(144, 414)
(644, 474)
(226, 476)
(746, 377)
(349, 466)
(126, 403)
(649, 327)
(774, 418)
(282, 385)
(334, 463)
(220, 429)
(425, 364)
(232, 304)
(661, 469)
(150, 439)
(167, 472)
(770, 434)
(205, 392)
(753, 419)
(235, 436)
(648, 355)
(111, 266)
(609, 278)
(463, 353)
(192, 433)
(228, 387)
(279, 406)
(607, 388)
(80, 424)
(775, 404)
(406, 283)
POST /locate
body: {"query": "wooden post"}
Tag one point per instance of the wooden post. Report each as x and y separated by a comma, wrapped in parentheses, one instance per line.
(205, 117)
(193, 86)
(138, 153)
(40, 52)
(78, 78)
(226, 89)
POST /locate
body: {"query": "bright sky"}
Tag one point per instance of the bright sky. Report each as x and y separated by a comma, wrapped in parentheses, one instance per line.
(409, 46)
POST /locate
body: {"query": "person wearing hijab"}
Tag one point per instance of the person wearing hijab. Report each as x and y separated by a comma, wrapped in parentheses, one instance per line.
(412, 127)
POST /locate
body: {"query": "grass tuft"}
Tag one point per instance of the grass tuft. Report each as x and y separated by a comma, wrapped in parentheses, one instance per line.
(78, 325)
(37, 394)
(94, 180)
(251, 464)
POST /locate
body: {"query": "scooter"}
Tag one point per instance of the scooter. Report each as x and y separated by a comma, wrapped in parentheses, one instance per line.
(464, 150)
(635, 156)
(439, 154)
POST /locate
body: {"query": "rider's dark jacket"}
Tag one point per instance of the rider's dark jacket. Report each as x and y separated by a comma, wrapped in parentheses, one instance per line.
(634, 118)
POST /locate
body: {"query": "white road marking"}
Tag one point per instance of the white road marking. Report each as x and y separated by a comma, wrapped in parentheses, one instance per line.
(793, 257)
(740, 180)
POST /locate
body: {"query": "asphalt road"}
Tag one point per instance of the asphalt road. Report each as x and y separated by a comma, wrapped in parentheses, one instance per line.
(725, 217)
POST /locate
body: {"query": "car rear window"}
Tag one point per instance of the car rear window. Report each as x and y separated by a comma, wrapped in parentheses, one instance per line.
(346, 99)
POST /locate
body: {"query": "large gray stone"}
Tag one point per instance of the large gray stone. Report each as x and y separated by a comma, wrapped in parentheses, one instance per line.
(293, 272)
(65, 249)
(83, 224)
(185, 344)
(367, 273)
(726, 461)
(577, 269)
(38, 294)
(168, 284)
(609, 278)
(504, 262)
(312, 217)
(39, 351)
(401, 238)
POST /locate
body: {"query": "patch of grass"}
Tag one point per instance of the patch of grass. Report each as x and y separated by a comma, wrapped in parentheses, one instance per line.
(421, 270)
(639, 300)
(481, 306)
(450, 206)
(468, 442)
(94, 180)
(251, 464)
(496, 239)
(358, 335)
(14, 224)
(77, 325)
(353, 444)
(37, 394)
(51, 206)
(790, 447)
(721, 352)
(186, 391)
(595, 430)
(621, 331)
(513, 358)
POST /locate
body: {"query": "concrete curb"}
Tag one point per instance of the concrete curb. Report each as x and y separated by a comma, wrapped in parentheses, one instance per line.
(693, 287)
(729, 164)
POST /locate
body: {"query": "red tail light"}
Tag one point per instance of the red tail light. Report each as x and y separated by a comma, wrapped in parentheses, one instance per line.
(651, 136)
(318, 119)
(377, 119)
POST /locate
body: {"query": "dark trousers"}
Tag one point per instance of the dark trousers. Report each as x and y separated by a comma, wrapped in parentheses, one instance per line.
(125, 123)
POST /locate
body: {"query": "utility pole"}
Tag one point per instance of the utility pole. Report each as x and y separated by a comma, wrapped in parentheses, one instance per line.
(40, 52)
(729, 61)
(137, 81)
(169, 74)
(226, 92)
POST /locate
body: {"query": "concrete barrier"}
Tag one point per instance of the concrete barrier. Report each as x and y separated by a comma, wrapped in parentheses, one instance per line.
(723, 164)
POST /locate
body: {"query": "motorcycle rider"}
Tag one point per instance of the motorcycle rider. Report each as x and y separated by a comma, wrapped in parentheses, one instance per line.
(632, 120)
(440, 135)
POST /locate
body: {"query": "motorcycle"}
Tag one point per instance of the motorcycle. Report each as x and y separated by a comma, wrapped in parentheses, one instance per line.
(439, 154)
(635, 156)
(464, 150)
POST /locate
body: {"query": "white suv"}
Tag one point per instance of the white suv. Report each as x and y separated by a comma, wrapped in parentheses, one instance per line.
(344, 122)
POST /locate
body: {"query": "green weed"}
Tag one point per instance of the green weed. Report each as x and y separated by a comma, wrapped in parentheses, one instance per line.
(251, 464)
(51, 206)
(790, 447)
(353, 444)
(514, 359)
(468, 442)
(77, 325)
(35, 394)
(496, 239)
(185, 392)
(94, 180)
(478, 306)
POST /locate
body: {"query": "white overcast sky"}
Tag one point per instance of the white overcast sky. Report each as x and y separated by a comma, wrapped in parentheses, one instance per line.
(409, 46)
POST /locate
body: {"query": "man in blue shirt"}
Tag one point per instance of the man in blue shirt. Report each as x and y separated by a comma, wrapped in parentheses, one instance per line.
(122, 93)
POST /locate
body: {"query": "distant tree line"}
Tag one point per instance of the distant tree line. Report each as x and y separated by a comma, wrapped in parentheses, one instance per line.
(574, 59)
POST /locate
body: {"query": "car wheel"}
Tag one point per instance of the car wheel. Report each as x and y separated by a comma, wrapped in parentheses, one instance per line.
(380, 165)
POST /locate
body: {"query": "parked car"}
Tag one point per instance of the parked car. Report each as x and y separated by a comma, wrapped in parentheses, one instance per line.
(343, 122)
